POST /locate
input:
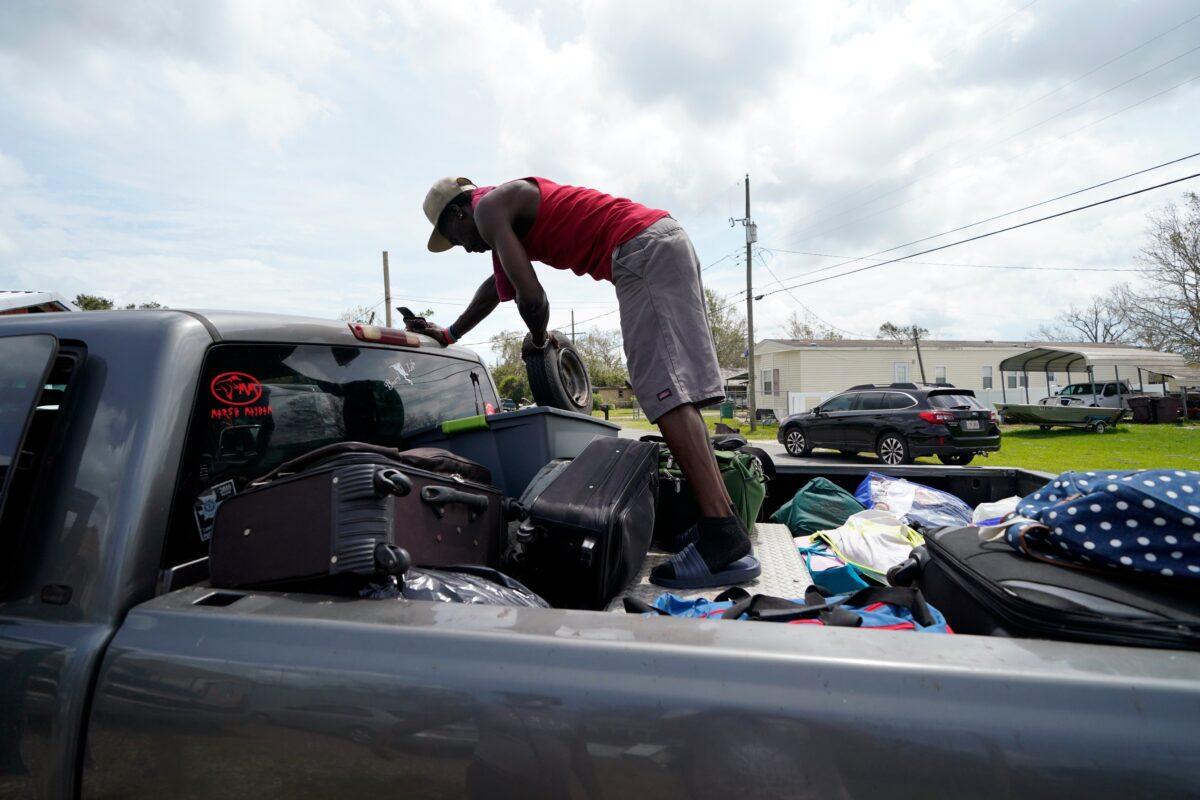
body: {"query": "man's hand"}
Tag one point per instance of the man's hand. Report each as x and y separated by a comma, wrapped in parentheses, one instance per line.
(435, 332)
(549, 339)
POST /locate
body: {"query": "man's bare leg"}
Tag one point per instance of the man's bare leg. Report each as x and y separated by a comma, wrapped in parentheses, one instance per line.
(687, 438)
(722, 538)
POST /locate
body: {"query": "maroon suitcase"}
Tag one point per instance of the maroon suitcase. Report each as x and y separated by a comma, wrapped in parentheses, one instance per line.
(327, 517)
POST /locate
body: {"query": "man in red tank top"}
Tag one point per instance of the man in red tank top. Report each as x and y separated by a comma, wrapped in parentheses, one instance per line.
(668, 346)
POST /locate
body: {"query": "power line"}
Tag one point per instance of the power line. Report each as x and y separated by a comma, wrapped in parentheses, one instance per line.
(990, 145)
(725, 257)
(990, 233)
(1132, 105)
(796, 300)
(995, 217)
(1122, 268)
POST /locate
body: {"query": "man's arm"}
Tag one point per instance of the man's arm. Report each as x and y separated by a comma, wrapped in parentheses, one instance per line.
(495, 222)
(483, 303)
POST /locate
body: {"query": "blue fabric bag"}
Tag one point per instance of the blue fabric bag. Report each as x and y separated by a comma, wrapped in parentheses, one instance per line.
(915, 504)
(882, 608)
(1142, 521)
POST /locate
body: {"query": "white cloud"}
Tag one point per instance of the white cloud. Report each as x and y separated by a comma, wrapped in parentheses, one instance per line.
(262, 154)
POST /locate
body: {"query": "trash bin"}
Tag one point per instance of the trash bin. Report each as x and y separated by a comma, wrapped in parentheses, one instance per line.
(1167, 409)
(727, 410)
(514, 446)
(1141, 407)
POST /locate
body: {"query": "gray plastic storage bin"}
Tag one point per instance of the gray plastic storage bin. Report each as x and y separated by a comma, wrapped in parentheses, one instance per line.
(514, 446)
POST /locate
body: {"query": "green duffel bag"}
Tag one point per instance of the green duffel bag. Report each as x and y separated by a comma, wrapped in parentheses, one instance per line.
(821, 505)
(745, 472)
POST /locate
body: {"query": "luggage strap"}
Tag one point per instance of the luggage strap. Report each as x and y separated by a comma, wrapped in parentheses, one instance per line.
(764, 608)
(426, 458)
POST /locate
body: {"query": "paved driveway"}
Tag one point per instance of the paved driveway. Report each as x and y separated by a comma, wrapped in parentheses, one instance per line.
(780, 455)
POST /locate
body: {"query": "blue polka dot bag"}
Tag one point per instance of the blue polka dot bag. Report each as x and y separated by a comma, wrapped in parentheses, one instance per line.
(1144, 521)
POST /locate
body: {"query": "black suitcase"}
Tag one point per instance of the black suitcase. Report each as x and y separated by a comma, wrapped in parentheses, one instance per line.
(325, 514)
(988, 588)
(589, 523)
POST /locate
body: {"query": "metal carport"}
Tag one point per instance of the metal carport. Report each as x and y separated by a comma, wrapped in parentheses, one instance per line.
(1086, 358)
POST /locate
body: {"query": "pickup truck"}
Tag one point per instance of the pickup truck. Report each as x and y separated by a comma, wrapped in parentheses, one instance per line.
(123, 674)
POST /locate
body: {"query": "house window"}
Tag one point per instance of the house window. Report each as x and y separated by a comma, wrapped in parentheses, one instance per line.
(767, 384)
(900, 372)
(939, 374)
(1051, 378)
(987, 377)
(1016, 381)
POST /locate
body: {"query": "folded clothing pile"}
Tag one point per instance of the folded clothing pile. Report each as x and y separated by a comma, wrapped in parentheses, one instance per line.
(872, 542)
(881, 608)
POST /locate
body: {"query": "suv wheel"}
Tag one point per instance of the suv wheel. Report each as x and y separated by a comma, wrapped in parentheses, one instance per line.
(892, 449)
(957, 459)
(795, 443)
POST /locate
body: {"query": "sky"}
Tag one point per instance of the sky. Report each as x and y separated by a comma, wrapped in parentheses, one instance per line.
(261, 155)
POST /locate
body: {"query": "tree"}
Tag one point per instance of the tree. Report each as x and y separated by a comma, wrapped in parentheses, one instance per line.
(728, 328)
(1162, 314)
(901, 333)
(797, 329)
(509, 370)
(358, 314)
(371, 317)
(1166, 313)
(92, 302)
(1102, 320)
(603, 356)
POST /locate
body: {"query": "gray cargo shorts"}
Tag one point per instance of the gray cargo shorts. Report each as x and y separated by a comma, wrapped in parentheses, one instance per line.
(668, 345)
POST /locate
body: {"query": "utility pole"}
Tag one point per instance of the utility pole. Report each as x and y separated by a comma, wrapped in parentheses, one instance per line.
(916, 332)
(572, 326)
(387, 291)
(751, 238)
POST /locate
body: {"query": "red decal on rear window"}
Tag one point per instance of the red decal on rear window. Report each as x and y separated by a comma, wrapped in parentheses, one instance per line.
(235, 389)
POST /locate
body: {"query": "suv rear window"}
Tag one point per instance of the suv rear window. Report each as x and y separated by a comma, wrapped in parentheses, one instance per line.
(954, 401)
(260, 405)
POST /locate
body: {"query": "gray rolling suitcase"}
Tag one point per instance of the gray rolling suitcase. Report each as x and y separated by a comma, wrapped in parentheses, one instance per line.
(589, 525)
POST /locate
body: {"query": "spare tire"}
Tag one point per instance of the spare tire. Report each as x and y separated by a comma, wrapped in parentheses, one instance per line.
(557, 375)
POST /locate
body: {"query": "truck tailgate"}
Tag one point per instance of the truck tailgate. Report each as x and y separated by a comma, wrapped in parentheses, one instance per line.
(302, 696)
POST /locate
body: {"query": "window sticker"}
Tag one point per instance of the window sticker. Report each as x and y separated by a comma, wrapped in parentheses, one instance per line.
(403, 374)
(206, 506)
(236, 389)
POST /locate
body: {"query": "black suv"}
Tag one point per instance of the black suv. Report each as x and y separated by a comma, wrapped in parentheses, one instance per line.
(898, 422)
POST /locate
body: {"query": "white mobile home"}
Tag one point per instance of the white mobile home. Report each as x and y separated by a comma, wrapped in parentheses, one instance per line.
(794, 375)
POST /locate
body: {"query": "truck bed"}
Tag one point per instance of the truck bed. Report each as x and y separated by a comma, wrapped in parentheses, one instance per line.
(783, 571)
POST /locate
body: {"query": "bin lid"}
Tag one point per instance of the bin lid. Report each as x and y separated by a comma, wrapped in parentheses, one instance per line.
(534, 411)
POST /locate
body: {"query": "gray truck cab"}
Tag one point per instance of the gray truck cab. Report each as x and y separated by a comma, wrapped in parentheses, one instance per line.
(123, 674)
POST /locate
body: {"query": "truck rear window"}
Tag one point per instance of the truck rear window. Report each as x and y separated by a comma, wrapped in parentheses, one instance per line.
(260, 405)
(24, 364)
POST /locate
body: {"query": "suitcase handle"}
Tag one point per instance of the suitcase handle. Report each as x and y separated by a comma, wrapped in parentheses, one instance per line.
(391, 481)
(438, 496)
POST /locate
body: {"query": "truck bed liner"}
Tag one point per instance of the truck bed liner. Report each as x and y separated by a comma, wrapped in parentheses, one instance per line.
(783, 571)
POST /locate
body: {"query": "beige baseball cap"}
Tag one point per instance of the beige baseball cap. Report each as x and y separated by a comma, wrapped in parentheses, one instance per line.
(439, 196)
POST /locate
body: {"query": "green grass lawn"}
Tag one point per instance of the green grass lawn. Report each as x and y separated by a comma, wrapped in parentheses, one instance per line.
(1123, 447)
(1057, 450)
